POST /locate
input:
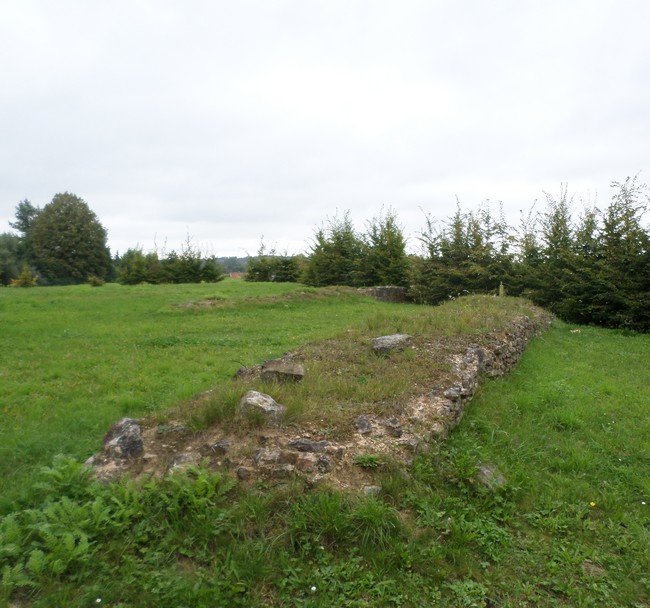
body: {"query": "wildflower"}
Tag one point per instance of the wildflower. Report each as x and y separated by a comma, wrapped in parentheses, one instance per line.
(643, 502)
(592, 504)
(313, 588)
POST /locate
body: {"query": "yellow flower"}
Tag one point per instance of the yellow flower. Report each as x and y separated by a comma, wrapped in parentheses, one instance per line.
(592, 504)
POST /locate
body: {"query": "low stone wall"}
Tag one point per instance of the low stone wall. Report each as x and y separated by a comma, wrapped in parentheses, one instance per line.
(496, 359)
(388, 293)
(278, 452)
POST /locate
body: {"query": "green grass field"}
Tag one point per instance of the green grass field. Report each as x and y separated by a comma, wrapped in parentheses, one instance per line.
(568, 429)
(75, 359)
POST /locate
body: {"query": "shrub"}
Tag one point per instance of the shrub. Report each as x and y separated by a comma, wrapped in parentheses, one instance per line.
(95, 281)
(26, 278)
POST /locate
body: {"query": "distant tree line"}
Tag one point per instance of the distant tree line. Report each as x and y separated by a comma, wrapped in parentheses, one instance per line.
(268, 266)
(188, 266)
(64, 243)
(594, 268)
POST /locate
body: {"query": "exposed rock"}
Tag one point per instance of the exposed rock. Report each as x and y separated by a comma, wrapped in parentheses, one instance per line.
(123, 446)
(372, 490)
(182, 461)
(489, 476)
(175, 427)
(279, 370)
(266, 456)
(324, 464)
(388, 293)
(453, 393)
(123, 440)
(468, 383)
(288, 457)
(307, 445)
(244, 473)
(306, 462)
(387, 344)
(276, 453)
(393, 426)
(259, 403)
(336, 451)
(439, 430)
(220, 447)
(410, 443)
(283, 471)
(249, 373)
(363, 425)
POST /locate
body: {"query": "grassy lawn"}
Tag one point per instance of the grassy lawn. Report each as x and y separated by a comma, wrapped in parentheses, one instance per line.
(75, 359)
(568, 430)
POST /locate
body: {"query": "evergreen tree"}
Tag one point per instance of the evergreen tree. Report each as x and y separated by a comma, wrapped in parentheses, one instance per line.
(335, 255)
(26, 215)
(528, 257)
(470, 254)
(287, 269)
(136, 267)
(383, 260)
(556, 273)
(625, 247)
(268, 266)
(190, 266)
(585, 299)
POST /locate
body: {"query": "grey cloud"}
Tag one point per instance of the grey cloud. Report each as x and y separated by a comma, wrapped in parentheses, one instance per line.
(229, 120)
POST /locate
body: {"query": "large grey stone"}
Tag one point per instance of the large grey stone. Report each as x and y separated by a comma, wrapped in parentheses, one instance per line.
(387, 344)
(307, 445)
(393, 426)
(489, 476)
(363, 425)
(255, 402)
(278, 370)
(372, 491)
(123, 440)
(453, 393)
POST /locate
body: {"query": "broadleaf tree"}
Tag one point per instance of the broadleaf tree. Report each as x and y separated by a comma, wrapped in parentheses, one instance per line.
(68, 242)
(9, 257)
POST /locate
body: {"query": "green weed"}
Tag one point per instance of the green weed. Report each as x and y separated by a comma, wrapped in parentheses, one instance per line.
(367, 461)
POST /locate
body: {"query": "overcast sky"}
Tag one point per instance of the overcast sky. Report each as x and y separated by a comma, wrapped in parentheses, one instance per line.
(230, 120)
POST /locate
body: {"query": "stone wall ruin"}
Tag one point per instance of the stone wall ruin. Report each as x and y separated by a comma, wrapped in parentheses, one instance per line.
(276, 452)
